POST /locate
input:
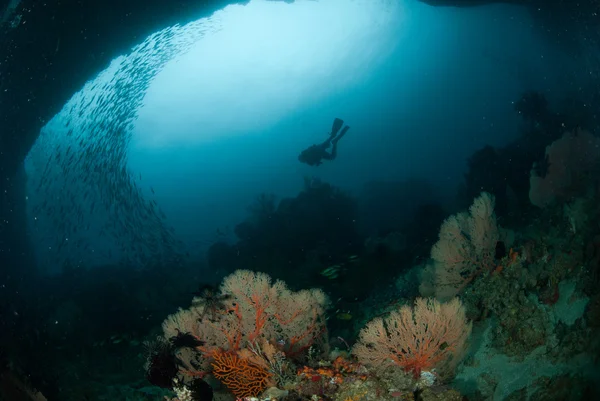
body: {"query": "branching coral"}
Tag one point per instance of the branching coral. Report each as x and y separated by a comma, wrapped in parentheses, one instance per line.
(430, 335)
(569, 162)
(260, 323)
(466, 247)
(242, 377)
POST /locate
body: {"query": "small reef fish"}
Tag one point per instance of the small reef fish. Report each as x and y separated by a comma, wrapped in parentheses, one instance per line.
(332, 272)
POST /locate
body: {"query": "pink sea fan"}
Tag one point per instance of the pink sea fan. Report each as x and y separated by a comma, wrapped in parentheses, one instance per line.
(571, 159)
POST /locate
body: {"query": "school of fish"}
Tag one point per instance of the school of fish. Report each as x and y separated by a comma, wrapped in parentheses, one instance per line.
(85, 206)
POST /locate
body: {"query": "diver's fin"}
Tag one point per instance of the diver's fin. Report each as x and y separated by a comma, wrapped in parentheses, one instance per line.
(337, 138)
(337, 124)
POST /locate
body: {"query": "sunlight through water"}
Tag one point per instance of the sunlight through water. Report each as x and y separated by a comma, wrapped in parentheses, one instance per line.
(241, 70)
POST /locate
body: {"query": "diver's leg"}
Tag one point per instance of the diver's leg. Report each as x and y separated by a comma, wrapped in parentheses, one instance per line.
(330, 156)
(333, 154)
(326, 144)
(337, 138)
(334, 150)
(334, 142)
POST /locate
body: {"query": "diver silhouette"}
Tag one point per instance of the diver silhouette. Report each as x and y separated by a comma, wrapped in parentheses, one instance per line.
(314, 155)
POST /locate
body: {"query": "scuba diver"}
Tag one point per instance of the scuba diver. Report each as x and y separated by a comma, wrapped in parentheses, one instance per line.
(314, 155)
